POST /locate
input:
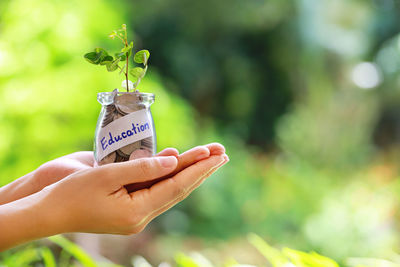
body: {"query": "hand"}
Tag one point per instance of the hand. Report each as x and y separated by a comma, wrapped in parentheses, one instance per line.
(185, 160)
(55, 170)
(95, 200)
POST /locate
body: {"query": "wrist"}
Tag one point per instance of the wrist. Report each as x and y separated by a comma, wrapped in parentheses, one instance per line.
(54, 212)
(25, 220)
(20, 188)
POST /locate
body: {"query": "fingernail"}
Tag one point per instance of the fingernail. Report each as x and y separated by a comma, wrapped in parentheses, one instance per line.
(226, 158)
(203, 155)
(167, 162)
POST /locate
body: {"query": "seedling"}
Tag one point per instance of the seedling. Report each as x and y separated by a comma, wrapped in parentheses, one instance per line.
(101, 57)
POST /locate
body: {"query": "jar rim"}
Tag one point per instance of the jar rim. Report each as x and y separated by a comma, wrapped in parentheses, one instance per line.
(151, 95)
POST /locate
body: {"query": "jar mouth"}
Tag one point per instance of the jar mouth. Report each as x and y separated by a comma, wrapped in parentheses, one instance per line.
(106, 98)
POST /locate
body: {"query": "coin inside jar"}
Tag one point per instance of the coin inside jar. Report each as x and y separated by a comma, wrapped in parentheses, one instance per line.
(120, 158)
(147, 143)
(130, 148)
(117, 116)
(108, 159)
(108, 115)
(126, 104)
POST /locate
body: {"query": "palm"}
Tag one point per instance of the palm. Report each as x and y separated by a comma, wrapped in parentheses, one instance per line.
(57, 169)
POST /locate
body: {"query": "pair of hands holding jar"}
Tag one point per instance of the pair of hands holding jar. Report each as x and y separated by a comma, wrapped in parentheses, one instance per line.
(70, 195)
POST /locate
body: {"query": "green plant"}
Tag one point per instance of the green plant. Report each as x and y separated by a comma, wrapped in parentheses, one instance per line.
(101, 57)
(289, 257)
(33, 255)
(72, 255)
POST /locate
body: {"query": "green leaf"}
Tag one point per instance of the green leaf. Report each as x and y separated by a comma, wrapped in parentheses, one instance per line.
(101, 53)
(74, 250)
(24, 257)
(184, 261)
(100, 50)
(142, 56)
(121, 56)
(107, 60)
(97, 56)
(137, 73)
(273, 255)
(127, 49)
(91, 57)
(303, 259)
(48, 257)
(113, 66)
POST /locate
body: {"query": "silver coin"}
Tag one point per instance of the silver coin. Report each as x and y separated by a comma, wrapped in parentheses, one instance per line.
(110, 158)
(106, 121)
(127, 150)
(125, 99)
(117, 115)
(126, 104)
(147, 143)
(121, 111)
(122, 154)
(120, 158)
(108, 115)
(129, 108)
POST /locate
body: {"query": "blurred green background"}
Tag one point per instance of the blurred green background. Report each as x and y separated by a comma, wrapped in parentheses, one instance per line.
(305, 95)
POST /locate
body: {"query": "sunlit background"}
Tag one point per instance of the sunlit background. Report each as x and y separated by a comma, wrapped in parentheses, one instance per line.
(304, 94)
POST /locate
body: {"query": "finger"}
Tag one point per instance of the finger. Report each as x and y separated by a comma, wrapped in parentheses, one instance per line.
(167, 193)
(141, 153)
(216, 148)
(184, 160)
(191, 156)
(168, 152)
(138, 170)
(85, 157)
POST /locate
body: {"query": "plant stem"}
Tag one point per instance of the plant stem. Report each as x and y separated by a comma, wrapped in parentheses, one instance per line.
(126, 73)
(127, 62)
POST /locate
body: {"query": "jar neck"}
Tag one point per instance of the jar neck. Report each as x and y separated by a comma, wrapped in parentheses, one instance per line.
(107, 98)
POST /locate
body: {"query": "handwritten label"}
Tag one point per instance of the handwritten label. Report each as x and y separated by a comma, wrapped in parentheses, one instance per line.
(123, 131)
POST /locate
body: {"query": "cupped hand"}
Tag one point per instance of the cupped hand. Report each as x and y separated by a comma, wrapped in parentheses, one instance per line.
(96, 200)
(185, 160)
(57, 169)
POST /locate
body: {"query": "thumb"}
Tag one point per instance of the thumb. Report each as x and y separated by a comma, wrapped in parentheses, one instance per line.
(140, 170)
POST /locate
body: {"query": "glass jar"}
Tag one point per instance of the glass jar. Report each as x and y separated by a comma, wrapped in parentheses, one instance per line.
(125, 127)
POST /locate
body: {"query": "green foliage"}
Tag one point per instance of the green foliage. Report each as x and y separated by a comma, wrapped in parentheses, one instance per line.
(22, 257)
(101, 57)
(304, 170)
(34, 255)
(290, 257)
(48, 257)
(137, 73)
(74, 250)
(276, 258)
(285, 257)
(142, 56)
